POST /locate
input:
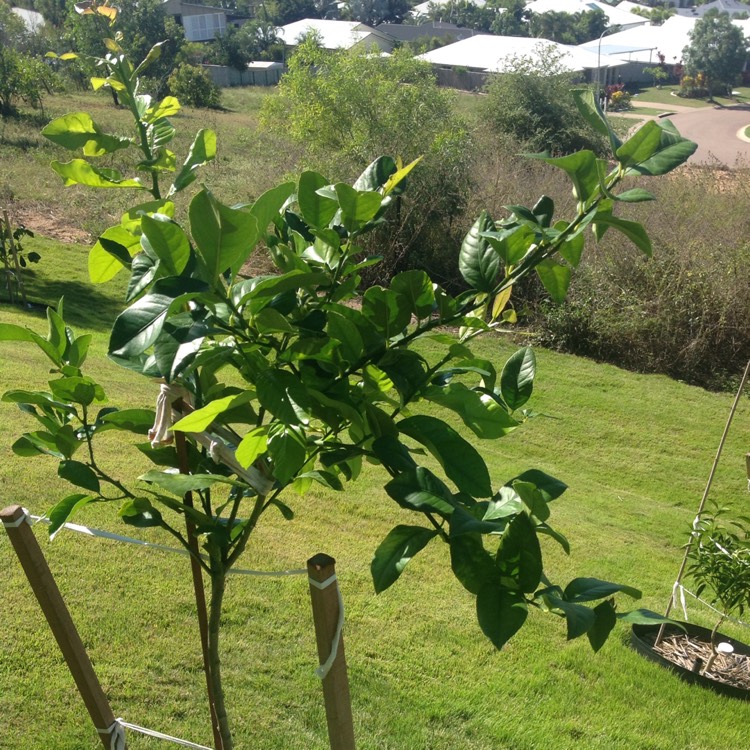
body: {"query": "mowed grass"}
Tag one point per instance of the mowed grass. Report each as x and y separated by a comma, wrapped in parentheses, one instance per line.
(635, 451)
(667, 95)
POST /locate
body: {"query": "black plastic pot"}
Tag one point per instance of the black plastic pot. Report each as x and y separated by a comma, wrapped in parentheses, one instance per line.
(644, 647)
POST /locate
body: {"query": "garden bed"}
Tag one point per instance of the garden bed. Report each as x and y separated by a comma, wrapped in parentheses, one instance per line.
(680, 651)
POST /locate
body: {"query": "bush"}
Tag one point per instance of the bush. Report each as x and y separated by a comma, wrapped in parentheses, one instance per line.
(532, 104)
(693, 87)
(193, 86)
(683, 312)
(23, 78)
(346, 108)
(618, 98)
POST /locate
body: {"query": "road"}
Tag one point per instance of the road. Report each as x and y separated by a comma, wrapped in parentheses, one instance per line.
(715, 130)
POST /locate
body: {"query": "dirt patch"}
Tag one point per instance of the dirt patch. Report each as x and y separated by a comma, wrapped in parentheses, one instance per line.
(41, 220)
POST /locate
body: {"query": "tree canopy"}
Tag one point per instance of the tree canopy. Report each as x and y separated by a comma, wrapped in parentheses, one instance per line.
(718, 49)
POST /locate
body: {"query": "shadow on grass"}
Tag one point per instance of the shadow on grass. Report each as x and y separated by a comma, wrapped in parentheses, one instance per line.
(85, 306)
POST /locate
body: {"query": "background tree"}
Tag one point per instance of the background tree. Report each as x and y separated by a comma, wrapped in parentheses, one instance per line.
(531, 103)
(346, 108)
(717, 49)
(143, 24)
(283, 12)
(569, 28)
(373, 12)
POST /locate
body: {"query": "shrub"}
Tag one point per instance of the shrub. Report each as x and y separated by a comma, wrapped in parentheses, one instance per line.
(346, 108)
(532, 104)
(618, 97)
(683, 312)
(23, 78)
(192, 85)
(693, 87)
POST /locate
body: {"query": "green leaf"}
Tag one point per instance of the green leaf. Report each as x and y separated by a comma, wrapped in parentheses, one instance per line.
(415, 286)
(636, 195)
(642, 145)
(674, 150)
(590, 589)
(548, 486)
(480, 412)
(138, 421)
(501, 613)
(519, 555)
(392, 453)
(511, 244)
(202, 150)
(140, 513)
(253, 444)
(555, 277)
(582, 169)
(138, 326)
(288, 453)
(376, 174)
(579, 619)
(587, 103)
(181, 484)
(78, 130)
(478, 261)
(606, 618)
(419, 489)
(646, 617)
(317, 210)
(80, 172)
(153, 55)
(111, 253)
(79, 474)
(77, 390)
(168, 242)
(357, 207)
(267, 207)
(472, 565)
(201, 419)
(462, 462)
(388, 311)
(35, 444)
(517, 378)
(395, 551)
(12, 332)
(63, 511)
(284, 395)
(225, 236)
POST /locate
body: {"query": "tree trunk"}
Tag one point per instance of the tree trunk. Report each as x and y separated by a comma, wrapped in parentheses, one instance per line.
(218, 584)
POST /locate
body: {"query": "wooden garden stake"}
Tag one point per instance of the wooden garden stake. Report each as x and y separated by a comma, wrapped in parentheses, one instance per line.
(50, 600)
(324, 594)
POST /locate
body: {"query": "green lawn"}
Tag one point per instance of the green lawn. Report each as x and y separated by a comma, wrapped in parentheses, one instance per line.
(635, 451)
(664, 95)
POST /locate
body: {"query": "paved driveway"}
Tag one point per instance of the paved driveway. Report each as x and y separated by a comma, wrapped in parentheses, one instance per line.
(714, 130)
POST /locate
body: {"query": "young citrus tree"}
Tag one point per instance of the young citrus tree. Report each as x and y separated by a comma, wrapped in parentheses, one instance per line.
(328, 379)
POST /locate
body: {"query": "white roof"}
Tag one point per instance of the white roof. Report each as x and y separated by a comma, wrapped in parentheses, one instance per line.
(630, 6)
(495, 53)
(333, 34)
(31, 19)
(642, 44)
(615, 16)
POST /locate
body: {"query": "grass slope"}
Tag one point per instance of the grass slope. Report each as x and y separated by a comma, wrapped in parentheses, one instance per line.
(635, 451)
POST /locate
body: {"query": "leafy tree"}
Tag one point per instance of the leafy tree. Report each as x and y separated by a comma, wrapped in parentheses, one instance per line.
(282, 12)
(193, 85)
(513, 21)
(717, 49)
(23, 79)
(373, 12)
(237, 47)
(306, 386)
(346, 108)
(569, 28)
(143, 23)
(532, 104)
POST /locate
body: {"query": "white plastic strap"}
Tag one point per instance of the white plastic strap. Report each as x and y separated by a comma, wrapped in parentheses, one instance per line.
(118, 735)
(25, 518)
(323, 670)
(711, 607)
(162, 548)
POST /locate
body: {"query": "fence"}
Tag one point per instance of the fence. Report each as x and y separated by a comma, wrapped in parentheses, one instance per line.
(226, 77)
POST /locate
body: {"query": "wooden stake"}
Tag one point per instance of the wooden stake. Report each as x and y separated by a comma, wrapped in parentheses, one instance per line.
(50, 600)
(14, 253)
(325, 606)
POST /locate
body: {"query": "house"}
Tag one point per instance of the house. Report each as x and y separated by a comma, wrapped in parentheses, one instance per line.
(495, 54)
(403, 32)
(731, 7)
(32, 20)
(202, 23)
(336, 34)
